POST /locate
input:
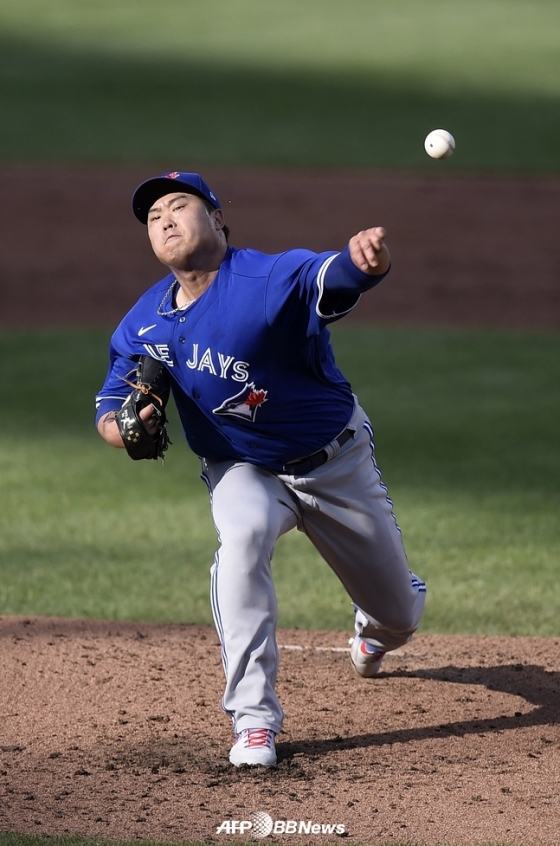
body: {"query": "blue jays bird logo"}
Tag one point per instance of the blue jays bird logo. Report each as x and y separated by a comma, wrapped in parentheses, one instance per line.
(245, 404)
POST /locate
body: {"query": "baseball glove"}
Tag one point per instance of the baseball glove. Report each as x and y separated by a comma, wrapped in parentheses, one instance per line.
(151, 388)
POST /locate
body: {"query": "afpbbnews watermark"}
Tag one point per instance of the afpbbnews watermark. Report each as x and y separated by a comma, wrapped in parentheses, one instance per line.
(261, 824)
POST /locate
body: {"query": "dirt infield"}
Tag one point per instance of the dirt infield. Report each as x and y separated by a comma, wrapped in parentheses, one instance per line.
(466, 250)
(115, 729)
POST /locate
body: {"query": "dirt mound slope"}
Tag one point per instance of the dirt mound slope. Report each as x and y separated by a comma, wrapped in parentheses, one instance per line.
(115, 730)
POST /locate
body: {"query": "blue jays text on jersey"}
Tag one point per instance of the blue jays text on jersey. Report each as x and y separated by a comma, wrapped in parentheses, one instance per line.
(253, 372)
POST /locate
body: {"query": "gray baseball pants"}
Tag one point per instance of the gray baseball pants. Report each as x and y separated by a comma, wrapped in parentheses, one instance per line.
(344, 510)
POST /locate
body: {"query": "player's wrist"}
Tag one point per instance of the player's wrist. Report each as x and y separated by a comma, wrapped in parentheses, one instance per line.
(109, 431)
(343, 274)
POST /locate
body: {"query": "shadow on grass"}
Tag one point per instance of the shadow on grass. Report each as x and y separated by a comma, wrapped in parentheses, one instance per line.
(60, 103)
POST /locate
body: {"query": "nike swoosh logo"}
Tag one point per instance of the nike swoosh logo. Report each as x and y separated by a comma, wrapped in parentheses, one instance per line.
(145, 329)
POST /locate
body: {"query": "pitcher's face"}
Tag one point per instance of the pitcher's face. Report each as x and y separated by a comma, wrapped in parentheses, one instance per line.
(181, 228)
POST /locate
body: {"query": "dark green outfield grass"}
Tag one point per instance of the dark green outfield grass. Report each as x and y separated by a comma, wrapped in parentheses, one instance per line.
(318, 84)
(71, 105)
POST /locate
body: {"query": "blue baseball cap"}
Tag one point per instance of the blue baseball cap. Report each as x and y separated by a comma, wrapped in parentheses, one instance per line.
(168, 183)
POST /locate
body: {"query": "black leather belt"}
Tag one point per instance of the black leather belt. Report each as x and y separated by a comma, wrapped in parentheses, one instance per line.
(303, 466)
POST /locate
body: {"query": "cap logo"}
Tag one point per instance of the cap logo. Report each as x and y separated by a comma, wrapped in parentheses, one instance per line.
(174, 175)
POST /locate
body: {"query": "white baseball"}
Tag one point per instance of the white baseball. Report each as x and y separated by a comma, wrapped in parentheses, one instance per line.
(439, 144)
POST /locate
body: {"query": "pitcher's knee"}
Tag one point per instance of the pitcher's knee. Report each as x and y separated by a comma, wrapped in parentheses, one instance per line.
(391, 632)
(255, 535)
(400, 615)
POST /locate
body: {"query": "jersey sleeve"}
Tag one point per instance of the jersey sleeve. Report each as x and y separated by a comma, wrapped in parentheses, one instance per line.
(341, 284)
(115, 390)
(324, 286)
(125, 350)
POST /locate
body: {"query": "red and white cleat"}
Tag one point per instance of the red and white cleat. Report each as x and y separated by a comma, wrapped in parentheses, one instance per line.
(366, 659)
(254, 747)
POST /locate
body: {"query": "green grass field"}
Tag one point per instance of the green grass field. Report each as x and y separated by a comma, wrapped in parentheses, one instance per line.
(314, 85)
(466, 430)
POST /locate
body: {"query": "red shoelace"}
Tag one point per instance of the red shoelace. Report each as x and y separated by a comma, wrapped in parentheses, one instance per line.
(257, 737)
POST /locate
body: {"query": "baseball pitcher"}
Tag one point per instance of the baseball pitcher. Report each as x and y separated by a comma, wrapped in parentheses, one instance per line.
(240, 340)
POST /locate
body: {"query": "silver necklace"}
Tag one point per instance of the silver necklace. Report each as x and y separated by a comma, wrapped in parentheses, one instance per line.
(169, 296)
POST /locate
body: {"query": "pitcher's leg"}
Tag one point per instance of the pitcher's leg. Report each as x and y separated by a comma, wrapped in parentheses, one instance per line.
(251, 509)
(349, 518)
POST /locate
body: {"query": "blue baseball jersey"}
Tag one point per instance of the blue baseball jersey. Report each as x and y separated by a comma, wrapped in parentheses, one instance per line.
(253, 373)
